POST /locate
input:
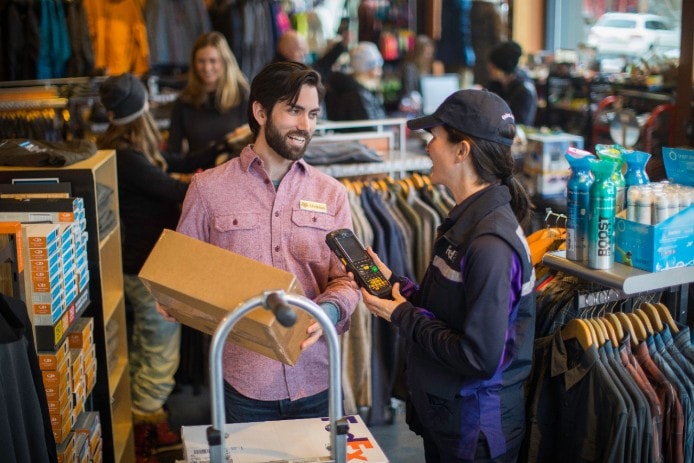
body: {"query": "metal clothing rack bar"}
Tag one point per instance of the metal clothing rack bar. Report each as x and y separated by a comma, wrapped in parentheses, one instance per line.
(41, 103)
(632, 281)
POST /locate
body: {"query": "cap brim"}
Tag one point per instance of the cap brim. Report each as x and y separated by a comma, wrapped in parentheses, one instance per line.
(423, 123)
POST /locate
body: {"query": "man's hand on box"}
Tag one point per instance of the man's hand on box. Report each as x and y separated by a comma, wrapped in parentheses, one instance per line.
(164, 312)
(314, 332)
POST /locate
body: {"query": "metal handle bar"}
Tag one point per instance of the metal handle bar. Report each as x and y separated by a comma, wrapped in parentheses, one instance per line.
(278, 302)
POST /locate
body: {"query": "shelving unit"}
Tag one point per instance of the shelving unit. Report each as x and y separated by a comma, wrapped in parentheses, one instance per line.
(111, 394)
(571, 102)
(631, 281)
(397, 161)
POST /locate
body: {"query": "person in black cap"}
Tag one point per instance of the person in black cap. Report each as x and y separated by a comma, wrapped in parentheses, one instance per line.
(149, 201)
(469, 325)
(511, 82)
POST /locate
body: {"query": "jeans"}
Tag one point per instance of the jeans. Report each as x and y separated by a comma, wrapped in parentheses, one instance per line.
(241, 409)
(154, 349)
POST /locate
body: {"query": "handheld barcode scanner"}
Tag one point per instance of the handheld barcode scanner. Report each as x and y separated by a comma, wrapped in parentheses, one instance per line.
(353, 255)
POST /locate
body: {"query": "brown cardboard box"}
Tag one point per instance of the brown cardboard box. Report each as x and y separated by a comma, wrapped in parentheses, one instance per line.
(201, 283)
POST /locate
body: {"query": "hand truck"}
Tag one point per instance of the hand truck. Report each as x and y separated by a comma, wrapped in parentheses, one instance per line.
(279, 303)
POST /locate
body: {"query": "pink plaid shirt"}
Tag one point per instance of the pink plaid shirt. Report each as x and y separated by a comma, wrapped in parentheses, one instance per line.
(236, 207)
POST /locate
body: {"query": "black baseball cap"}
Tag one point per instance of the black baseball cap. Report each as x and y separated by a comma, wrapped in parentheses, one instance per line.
(478, 113)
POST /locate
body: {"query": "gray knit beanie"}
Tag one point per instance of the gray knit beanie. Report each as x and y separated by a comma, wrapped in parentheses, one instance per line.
(124, 97)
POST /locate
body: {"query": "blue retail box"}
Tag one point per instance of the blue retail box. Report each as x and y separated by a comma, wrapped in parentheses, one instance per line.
(653, 248)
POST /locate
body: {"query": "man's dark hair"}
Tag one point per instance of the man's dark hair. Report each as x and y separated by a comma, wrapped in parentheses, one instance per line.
(281, 81)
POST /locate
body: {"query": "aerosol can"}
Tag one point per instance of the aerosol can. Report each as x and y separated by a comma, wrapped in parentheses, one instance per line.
(602, 197)
(613, 153)
(636, 167)
(578, 201)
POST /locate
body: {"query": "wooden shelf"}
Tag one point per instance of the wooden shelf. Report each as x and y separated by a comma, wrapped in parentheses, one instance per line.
(111, 393)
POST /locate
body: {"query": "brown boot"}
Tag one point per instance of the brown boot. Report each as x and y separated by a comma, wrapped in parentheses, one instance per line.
(165, 439)
(144, 433)
(162, 437)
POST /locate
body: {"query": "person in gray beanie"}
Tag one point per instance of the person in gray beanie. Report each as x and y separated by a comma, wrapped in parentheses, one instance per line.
(357, 95)
(511, 82)
(150, 195)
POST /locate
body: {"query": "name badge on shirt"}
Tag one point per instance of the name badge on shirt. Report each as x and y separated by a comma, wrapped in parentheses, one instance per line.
(313, 206)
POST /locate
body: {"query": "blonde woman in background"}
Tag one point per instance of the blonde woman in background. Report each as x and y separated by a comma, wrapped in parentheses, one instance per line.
(213, 103)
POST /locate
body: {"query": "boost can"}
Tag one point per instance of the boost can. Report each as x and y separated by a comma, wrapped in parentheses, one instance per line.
(603, 195)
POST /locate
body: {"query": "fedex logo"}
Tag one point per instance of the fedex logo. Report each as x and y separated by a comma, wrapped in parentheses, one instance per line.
(356, 445)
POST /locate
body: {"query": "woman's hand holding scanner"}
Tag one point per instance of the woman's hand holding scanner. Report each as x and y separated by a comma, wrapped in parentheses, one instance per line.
(383, 307)
(379, 263)
(347, 247)
(376, 305)
(164, 312)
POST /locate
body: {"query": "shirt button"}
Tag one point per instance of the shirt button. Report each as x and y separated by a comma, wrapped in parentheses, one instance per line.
(314, 219)
(277, 213)
(267, 182)
(277, 249)
(235, 222)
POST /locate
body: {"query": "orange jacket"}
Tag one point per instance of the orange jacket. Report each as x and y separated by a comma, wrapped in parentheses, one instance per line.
(119, 35)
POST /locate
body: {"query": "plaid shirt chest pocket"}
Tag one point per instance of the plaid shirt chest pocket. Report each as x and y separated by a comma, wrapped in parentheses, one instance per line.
(308, 235)
(238, 232)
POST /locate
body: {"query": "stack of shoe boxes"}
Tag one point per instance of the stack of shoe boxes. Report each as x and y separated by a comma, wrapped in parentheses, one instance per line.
(56, 371)
(55, 288)
(76, 362)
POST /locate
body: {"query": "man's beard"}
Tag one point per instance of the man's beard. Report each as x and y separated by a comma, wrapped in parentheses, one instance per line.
(278, 142)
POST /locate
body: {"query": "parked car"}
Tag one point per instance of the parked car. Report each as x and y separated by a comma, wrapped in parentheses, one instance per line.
(633, 34)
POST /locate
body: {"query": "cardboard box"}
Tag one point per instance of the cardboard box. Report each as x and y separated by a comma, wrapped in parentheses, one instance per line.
(48, 337)
(679, 165)
(545, 152)
(201, 283)
(545, 184)
(41, 235)
(292, 440)
(66, 449)
(654, 248)
(50, 360)
(80, 333)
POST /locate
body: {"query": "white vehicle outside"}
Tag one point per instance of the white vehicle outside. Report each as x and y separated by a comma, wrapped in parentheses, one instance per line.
(633, 34)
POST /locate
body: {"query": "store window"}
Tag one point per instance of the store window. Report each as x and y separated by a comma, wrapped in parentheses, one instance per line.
(633, 36)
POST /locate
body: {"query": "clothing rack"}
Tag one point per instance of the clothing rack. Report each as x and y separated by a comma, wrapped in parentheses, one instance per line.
(43, 103)
(397, 160)
(632, 281)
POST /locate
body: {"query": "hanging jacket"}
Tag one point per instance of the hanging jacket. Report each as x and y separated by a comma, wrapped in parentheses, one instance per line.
(119, 36)
(455, 46)
(25, 427)
(81, 62)
(20, 35)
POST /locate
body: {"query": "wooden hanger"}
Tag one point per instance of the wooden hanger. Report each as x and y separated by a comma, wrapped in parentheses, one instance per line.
(639, 328)
(596, 332)
(609, 330)
(625, 321)
(666, 316)
(644, 319)
(653, 315)
(418, 180)
(348, 185)
(578, 329)
(612, 321)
